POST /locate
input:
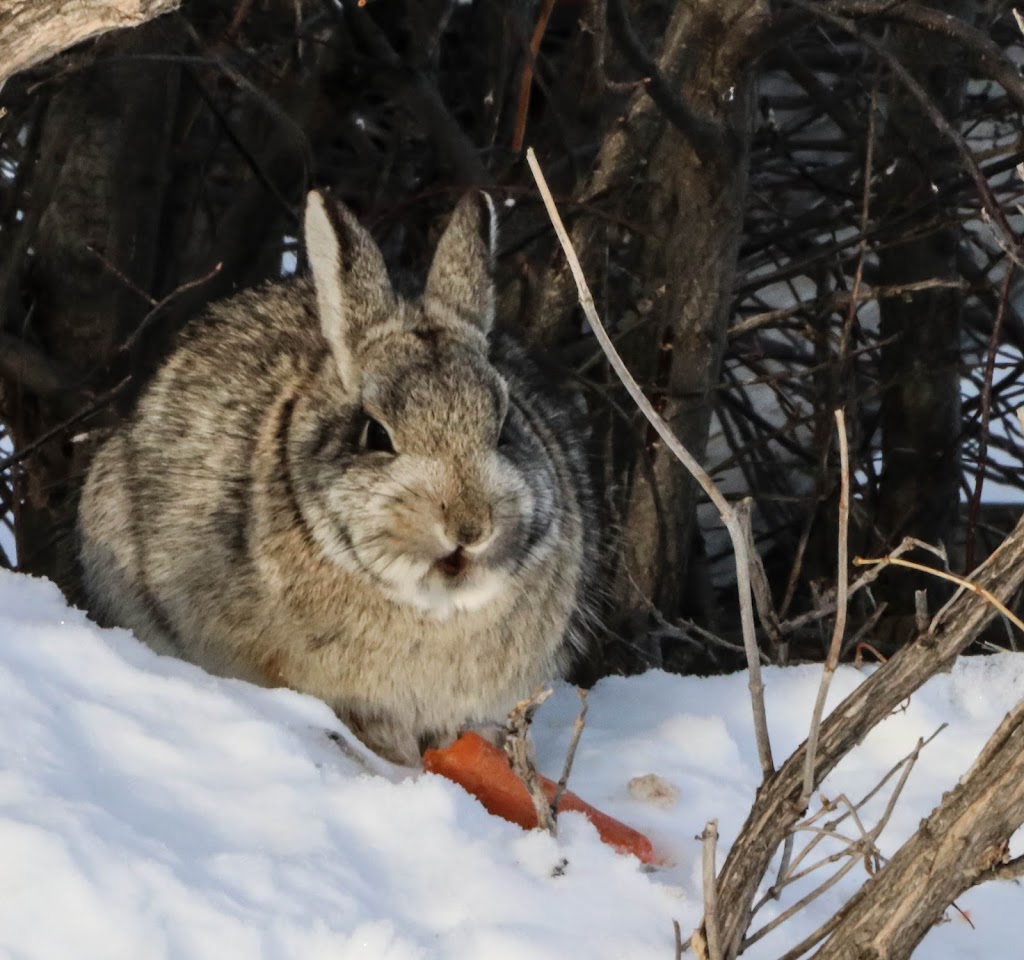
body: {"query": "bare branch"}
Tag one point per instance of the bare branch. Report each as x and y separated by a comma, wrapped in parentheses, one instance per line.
(709, 839)
(962, 582)
(725, 509)
(526, 77)
(842, 601)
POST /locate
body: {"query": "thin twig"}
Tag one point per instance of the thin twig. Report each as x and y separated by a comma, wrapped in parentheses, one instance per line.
(990, 205)
(865, 580)
(863, 294)
(866, 628)
(147, 320)
(944, 575)
(803, 902)
(974, 505)
(23, 453)
(854, 851)
(867, 838)
(842, 599)
(570, 756)
(526, 78)
(725, 509)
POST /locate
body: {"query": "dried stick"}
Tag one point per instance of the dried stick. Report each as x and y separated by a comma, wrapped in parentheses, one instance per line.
(518, 753)
(526, 78)
(570, 756)
(865, 580)
(103, 400)
(842, 597)
(964, 842)
(990, 206)
(725, 509)
(832, 661)
(159, 306)
(709, 839)
(863, 294)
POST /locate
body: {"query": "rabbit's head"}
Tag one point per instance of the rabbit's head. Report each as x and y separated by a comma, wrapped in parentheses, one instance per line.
(413, 465)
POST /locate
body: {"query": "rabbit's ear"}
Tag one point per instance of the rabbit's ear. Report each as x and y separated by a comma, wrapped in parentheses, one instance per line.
(351, 281)
(460, 286)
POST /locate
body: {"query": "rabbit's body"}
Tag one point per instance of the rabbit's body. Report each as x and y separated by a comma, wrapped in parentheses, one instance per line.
(257, 517)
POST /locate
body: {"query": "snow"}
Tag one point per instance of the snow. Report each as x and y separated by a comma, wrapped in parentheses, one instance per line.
(150, 810)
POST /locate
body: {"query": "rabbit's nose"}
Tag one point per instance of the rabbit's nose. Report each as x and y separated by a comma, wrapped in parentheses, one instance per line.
(471, 531)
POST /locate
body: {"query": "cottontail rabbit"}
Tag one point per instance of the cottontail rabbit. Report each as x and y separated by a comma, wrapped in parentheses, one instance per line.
(372, 500)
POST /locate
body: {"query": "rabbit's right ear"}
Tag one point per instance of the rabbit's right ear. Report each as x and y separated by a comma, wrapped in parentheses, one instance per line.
(353, 291)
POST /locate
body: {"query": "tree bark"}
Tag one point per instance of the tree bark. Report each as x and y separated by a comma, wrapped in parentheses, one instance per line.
(32, 31)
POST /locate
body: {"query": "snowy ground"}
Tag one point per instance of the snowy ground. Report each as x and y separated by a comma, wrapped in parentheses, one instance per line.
(148, 810)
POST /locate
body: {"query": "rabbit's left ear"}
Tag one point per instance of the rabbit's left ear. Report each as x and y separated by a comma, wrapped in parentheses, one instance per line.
(353, 291)
(460, 285)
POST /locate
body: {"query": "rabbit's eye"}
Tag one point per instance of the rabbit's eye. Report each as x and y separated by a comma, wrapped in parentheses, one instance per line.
(376, 438)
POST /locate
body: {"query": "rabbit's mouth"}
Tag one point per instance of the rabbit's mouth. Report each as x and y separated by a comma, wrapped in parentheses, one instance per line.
(454, 564)
(456, 582)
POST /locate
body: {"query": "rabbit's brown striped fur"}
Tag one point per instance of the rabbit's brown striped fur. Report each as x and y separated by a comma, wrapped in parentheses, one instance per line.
(372, 500)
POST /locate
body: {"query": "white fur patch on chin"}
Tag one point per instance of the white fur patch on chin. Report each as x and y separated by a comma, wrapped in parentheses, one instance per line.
(431, 595)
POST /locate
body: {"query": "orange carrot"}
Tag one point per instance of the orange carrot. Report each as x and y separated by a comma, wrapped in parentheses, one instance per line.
(482, 769)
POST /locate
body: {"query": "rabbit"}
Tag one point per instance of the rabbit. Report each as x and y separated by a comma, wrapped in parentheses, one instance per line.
(375, 500)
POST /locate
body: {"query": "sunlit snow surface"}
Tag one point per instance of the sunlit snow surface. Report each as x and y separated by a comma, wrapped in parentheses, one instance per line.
(149, 810)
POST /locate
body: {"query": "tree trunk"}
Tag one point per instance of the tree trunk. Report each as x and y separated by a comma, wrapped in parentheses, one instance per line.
(920, 416)
(98, 185)
(680, 274)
